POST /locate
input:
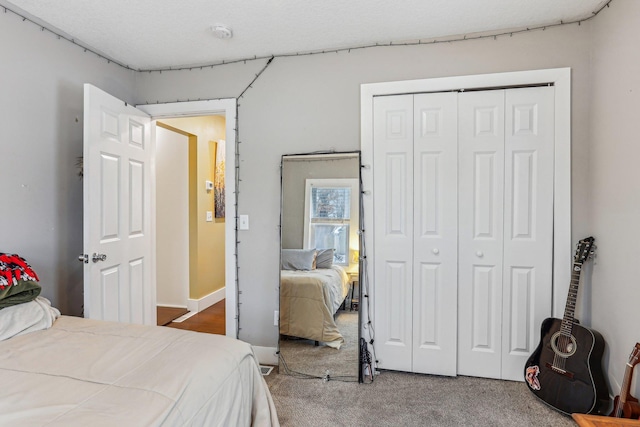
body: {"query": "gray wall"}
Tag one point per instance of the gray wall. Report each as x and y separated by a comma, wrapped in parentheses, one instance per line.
(41, 110)
(614, 184)
(303, 104)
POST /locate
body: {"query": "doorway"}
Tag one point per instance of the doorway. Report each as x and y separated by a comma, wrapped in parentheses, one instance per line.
(120, 205)
(190, 216)
(226, 108)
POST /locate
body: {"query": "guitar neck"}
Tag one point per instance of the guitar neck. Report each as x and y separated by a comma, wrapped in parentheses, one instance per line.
(626, 383)
(570, 308)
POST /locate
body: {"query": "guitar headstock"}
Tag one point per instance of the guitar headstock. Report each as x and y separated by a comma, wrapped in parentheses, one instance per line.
(584, 250)
(634, 357)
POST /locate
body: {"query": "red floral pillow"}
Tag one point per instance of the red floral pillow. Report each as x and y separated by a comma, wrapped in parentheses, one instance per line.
(14, 269)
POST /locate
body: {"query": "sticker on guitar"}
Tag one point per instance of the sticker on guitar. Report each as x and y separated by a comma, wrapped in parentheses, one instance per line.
(532, 377)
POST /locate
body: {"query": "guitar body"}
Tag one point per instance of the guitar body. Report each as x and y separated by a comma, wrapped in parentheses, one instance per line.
(630, 408)
(625, 405)
(582, 388)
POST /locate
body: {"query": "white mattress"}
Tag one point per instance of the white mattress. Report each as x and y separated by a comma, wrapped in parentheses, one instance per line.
(84, 372)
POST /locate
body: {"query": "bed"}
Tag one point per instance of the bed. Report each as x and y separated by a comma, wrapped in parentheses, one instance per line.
(308, 301)
(82, 372)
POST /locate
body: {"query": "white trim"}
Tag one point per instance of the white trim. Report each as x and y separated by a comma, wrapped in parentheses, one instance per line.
(205, 108)
(184, 317)
(561, 79)
(172, 306)
(266, 355)
(211, 107)
(152, 220)
(197, 305)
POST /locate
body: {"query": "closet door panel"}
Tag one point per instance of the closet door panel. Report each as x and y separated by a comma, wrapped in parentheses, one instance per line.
(435, 156)
(480, 233)
(528, 222)
(393, 230)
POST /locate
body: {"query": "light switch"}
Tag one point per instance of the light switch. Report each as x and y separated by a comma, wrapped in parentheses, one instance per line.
(244, 222)
(209, 216)
(208, 185)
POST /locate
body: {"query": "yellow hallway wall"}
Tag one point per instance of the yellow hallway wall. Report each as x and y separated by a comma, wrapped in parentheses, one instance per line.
(208, 250)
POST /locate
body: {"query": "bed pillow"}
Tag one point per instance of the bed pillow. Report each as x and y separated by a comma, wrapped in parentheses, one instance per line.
(324, 258)
(31, 316)
(298, 259)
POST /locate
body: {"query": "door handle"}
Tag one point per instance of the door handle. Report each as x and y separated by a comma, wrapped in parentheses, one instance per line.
(83, 258)
(479, 254)
(436, 251)
(98, 257)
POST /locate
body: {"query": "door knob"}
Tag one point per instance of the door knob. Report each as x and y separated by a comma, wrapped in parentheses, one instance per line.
(98, 257)
(479, 254)
(436, 251)
(83, 258)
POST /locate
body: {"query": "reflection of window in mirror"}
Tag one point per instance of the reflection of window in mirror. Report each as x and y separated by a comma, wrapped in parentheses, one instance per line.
(331, 217)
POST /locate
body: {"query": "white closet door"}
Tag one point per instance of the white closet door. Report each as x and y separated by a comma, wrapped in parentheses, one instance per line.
(481, 188)
(393, 229)
(435, 245)
(528, 223)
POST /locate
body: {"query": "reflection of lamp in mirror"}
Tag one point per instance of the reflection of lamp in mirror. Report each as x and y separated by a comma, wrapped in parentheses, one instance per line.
(355, 257)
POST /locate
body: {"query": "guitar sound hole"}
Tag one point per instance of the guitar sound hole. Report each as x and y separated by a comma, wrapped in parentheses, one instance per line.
(562, 345)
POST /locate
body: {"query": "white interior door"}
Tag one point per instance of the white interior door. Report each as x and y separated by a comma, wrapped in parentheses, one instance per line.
(435, 248)
(393, 230)
(119, 282)
(528, 223)
(480, 194)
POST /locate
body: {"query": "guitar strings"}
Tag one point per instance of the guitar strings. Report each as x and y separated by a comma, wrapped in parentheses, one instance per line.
(564, 339)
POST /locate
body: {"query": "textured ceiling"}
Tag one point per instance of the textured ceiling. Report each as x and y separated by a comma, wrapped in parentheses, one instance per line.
(152, 34)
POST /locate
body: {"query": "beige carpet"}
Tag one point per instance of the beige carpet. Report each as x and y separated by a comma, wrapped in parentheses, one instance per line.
(401, 399)
(394, 398)
(302, 356)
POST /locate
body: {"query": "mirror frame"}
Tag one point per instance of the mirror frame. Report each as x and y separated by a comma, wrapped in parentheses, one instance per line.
(362, 256)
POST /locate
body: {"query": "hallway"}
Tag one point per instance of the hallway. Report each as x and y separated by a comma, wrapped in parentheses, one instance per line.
(210, 320)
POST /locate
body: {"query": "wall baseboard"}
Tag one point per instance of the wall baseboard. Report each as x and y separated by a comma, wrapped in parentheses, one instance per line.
(171, 306)
(266, 355)
(197, 305)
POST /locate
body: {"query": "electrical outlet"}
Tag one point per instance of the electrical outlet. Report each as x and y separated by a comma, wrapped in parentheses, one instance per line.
(276, 318)
(209, 216)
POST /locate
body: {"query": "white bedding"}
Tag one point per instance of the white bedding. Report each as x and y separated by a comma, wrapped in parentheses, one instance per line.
(334, 279)
(28, 317)
(83, 372)
(308, 300)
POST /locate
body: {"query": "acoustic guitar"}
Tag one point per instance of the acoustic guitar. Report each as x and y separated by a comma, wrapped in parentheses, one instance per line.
(565, 370)
(625, 405)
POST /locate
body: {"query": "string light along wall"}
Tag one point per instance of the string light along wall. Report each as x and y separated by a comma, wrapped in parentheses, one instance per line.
(237, 180)
(419, 42)
(368, 326)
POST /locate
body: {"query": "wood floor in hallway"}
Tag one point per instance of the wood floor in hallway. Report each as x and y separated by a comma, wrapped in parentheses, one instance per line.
(210, 320)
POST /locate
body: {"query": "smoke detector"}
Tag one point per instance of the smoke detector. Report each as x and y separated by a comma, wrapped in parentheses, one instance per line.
(222, 31)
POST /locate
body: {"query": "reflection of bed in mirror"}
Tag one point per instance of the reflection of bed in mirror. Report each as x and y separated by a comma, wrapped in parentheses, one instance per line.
(308, 301)
(320, 242)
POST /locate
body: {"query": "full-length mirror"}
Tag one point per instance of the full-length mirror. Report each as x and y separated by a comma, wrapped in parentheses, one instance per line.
(319, 277)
